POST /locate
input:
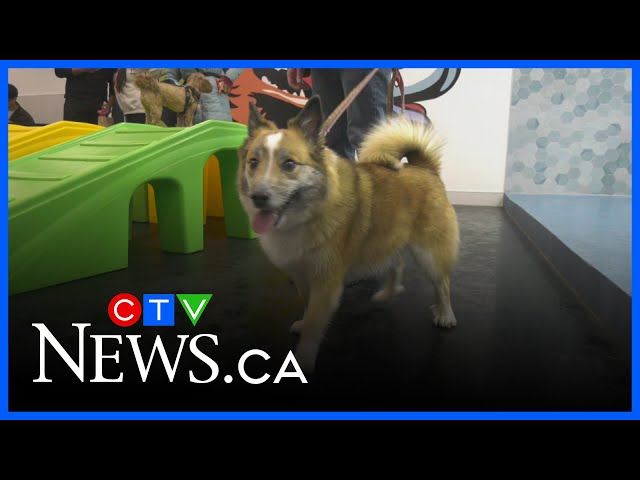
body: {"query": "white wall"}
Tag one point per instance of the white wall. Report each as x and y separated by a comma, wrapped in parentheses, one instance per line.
(40, 92)
(473, 117)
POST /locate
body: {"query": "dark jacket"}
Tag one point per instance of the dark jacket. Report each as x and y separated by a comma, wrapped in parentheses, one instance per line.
(21, 117)
(91, 88)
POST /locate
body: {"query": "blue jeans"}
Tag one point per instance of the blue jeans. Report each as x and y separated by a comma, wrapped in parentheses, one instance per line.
(369, 107)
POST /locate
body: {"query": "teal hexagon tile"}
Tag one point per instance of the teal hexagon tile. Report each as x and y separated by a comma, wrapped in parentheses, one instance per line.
(559, 127)
(574, 172)
(539, 166)
(592, 104)
(533, 123)
(517, 166)
(542, 142)
(559, 73)
(562, 179)
(571, 79)
(601, 135)
(610, 167)
(623, 162)
(535, 86)
(567, 117)
(523, 93)
(605, 97)
(593, 91)
(608, 179)
(587, 154)
(554, 136)
(528, 172)
(612, 155)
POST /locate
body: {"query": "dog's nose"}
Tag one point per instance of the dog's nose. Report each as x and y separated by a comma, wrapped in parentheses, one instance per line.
(260, 200)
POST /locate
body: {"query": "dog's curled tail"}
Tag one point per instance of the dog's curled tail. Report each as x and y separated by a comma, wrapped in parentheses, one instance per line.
(146, 81)
(392, 139)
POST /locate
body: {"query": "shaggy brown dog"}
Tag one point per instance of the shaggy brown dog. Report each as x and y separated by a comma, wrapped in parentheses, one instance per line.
(181, 99)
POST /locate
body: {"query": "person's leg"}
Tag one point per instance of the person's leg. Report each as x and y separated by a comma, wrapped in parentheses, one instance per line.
(327, 85)
(370, 106)
(135, 118)
(116, 113)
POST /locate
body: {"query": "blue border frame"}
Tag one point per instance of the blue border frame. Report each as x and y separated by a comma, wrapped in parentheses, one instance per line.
(4, 324)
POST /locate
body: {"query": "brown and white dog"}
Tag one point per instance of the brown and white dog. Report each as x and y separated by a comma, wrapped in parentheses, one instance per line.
(325, 220)
(181, 99)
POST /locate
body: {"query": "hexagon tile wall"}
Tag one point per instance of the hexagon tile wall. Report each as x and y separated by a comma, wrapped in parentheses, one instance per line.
(570, 131)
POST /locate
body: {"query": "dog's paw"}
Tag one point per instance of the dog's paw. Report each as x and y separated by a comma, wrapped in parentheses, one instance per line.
(296, 327)
(306, 353)
(385, 294)
(444, 319)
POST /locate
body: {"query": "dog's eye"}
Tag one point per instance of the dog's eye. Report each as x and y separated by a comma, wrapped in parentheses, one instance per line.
(253, 163)
(288, 165)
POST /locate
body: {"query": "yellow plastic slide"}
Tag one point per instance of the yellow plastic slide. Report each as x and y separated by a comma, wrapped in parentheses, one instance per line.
(26, 140)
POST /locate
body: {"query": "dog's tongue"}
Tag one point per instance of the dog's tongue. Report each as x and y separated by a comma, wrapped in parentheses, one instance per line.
(263, 222)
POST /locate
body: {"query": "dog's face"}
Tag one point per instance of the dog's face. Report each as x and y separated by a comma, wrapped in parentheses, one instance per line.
(282, 175)
(199, 82)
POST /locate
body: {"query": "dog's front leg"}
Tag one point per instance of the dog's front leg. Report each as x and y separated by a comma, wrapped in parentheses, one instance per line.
(324, 298)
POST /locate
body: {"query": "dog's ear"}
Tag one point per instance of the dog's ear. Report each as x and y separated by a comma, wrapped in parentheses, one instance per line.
(309, 120)
(205, 86)
(257, 121)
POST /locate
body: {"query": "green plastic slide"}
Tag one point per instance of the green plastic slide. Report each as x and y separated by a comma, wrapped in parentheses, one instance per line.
(70, 205)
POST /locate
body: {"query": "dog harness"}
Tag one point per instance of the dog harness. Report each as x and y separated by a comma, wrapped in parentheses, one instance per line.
(191, 96)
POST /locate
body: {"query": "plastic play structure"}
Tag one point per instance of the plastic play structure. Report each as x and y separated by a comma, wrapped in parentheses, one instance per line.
(69, 205)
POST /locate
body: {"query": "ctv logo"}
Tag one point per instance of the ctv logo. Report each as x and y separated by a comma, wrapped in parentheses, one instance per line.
(157, 309)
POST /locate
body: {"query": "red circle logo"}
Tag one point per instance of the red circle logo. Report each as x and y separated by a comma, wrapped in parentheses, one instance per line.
(124, 310)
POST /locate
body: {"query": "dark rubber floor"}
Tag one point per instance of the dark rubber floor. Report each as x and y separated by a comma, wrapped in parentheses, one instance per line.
(523, 341)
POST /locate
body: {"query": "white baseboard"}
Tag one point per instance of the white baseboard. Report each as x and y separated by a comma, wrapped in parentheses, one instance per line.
(484, 199)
